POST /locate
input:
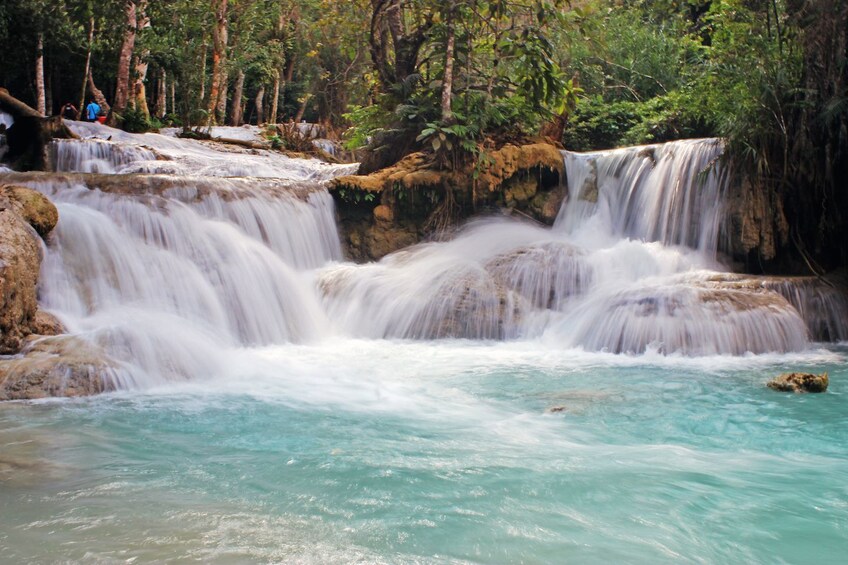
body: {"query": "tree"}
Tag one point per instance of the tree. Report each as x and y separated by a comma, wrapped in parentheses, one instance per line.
(122, 86)
(217, 89)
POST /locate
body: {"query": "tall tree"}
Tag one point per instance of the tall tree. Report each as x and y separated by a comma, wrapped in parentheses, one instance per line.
(122, 84)
(142, 63)
(219, 58)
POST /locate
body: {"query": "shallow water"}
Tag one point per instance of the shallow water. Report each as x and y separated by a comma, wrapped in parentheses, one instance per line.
(399, 452)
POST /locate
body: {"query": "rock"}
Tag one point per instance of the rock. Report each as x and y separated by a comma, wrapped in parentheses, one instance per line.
(757, 222)
(799, 382)
(57, 366)
(24, 214)
(555, 409)
(589, 191)
(520, 190)
(32, 206)
(383, 213)
(20, 260)
(45, 323)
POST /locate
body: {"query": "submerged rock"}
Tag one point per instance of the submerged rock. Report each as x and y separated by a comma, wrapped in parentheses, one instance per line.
(57, 366)
(799, 382)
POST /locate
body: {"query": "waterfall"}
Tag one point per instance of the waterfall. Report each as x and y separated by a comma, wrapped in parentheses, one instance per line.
(107, 150)
(169, 278)
(630, 265)
(95, 156)
(670, 193)
(169, 272)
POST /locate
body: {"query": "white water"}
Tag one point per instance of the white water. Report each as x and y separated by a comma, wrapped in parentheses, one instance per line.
(171, 276)
(107, 150)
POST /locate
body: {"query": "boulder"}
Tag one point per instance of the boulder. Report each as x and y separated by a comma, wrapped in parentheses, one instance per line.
(32, 206)
(799, 382)
(57, 366)
(24, 214)
(20, 260)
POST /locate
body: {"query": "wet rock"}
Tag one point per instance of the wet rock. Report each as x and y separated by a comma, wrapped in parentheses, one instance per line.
(20, 261)
(756, 220)
(57, 366)
(799, 382)
(555, 409)
(24, 214)
(590, 191)
(45, 323)
(32, 206)
(383, 213)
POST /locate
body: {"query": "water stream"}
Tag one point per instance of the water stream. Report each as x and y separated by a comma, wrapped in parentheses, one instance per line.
(591, 392)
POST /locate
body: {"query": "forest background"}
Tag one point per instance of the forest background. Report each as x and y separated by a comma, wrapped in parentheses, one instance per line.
(457, 77)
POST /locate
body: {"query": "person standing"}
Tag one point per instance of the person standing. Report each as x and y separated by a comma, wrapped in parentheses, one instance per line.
(91, 111)
(69, 111)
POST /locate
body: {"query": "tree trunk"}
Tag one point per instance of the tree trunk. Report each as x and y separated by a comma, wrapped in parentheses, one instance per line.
(142, 64)
(222, 100)
(85, 77)
(140, 92)
(40, 98)
(122, 86)
(161, 97)
(97, 94)
(236, 115)
(29, 138)
(302, 109)
(447, 80)
(174, 96)
(260, 111)
(272, 116)
(203, 74)
(219, 57)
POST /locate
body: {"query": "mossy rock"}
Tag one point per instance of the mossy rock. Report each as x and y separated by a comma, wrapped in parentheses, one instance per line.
(800, 382)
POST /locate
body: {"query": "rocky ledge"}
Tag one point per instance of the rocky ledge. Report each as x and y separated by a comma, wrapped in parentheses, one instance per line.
(416, 199)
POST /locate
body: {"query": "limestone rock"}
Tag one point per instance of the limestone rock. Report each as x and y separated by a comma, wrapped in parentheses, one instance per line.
(20, 261)
(32, 206)
(24, 214)
(45, 323)
(800, 382)
(383, 213)
(57, 366)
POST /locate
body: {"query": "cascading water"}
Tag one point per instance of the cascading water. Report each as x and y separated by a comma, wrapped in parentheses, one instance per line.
(164, 272)
(628, 266)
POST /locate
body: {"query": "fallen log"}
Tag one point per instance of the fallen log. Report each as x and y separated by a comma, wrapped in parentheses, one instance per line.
(29, 137)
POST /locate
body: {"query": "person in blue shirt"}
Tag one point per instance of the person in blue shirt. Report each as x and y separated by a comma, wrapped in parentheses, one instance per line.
(91, 111)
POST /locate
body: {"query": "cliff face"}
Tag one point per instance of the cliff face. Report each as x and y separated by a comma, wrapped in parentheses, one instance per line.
(413, 200)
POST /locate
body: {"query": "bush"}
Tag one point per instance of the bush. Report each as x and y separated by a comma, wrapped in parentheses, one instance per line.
(596, 124)
(134, 120)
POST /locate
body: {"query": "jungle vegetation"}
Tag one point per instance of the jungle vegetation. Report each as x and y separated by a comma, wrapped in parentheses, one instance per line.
(455, 77)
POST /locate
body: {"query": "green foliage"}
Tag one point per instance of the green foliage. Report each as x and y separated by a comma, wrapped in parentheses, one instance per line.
(753, 83)
(366, 122)
(599, 124)
(134, 120)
